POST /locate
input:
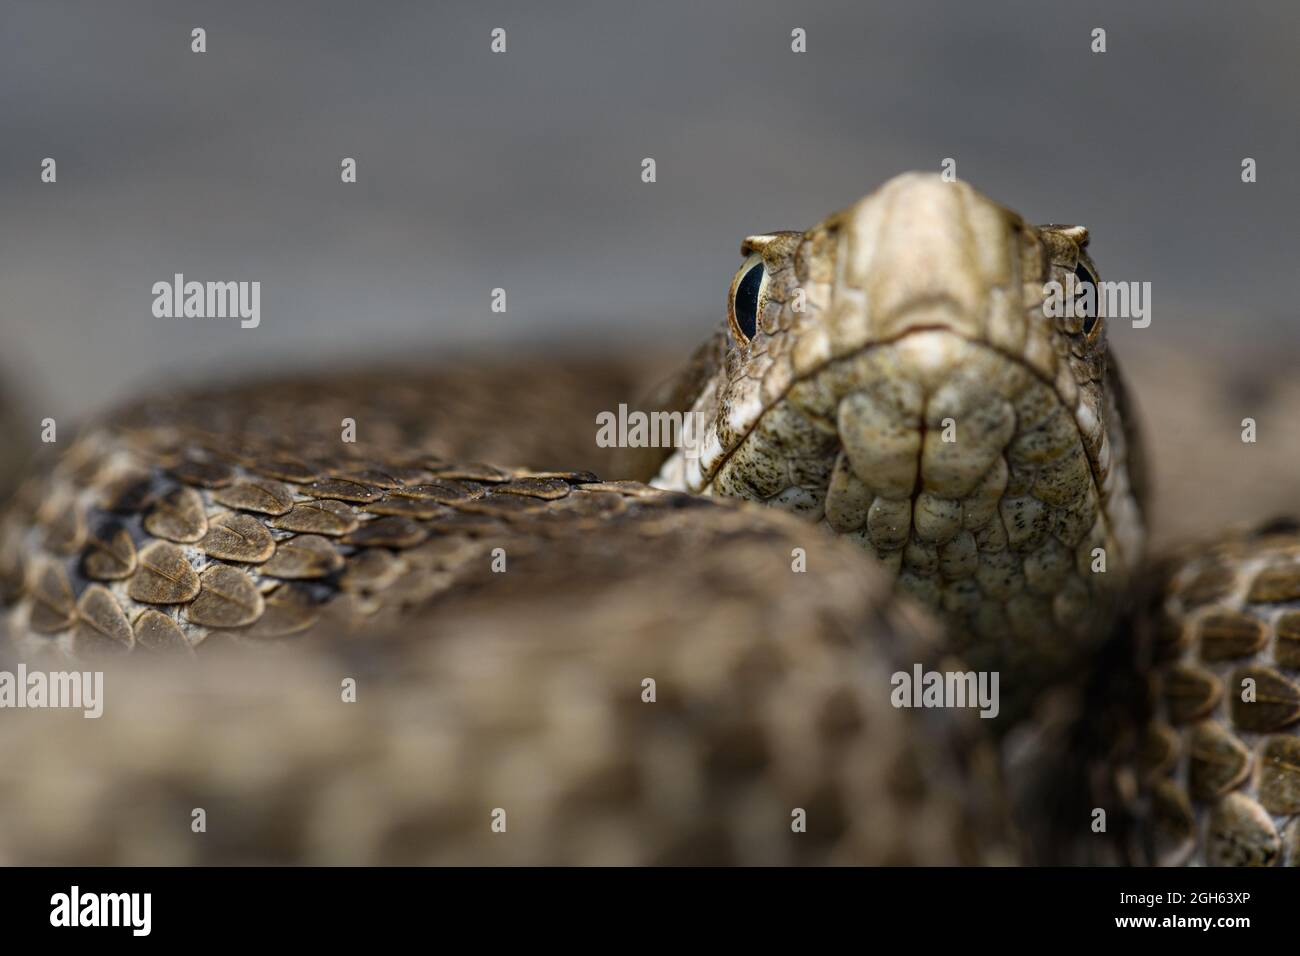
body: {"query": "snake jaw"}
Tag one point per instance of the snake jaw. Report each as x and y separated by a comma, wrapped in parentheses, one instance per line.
(905, 388)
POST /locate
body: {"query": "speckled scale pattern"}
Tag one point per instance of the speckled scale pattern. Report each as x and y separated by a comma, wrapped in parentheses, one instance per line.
(1222, 754)
(206, 538)
(236, 521)
(476, 689)
(146, 505)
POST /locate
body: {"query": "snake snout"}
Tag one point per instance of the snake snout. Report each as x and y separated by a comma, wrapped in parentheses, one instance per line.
(956, 466)
(912, 256)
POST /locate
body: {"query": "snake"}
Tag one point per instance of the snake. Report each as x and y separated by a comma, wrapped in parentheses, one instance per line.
(419, 615)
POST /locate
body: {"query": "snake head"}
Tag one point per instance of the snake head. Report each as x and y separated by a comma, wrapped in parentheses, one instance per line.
(894, 375)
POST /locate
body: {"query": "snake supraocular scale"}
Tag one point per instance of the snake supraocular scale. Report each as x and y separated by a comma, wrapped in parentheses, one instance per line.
(890, 374)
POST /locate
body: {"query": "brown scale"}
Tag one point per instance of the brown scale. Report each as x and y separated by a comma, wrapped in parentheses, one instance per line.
(212, 512)
(1222, 763)
(179, 516)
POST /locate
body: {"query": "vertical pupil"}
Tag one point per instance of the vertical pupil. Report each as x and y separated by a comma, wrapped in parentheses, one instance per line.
(1089, 320)
(746, 307)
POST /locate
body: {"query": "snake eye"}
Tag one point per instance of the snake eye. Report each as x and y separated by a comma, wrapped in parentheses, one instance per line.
(1092, 316)
(746, 299)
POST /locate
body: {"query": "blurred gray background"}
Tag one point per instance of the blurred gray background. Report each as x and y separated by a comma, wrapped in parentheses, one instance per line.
(522, 170)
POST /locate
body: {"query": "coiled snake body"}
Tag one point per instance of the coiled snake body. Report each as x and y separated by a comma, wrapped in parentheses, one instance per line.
(553, 667)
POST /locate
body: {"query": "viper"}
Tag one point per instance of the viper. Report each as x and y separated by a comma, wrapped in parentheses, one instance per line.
(906, 461)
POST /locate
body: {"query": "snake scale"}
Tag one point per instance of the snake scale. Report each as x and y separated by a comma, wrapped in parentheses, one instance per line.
(563, 654)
